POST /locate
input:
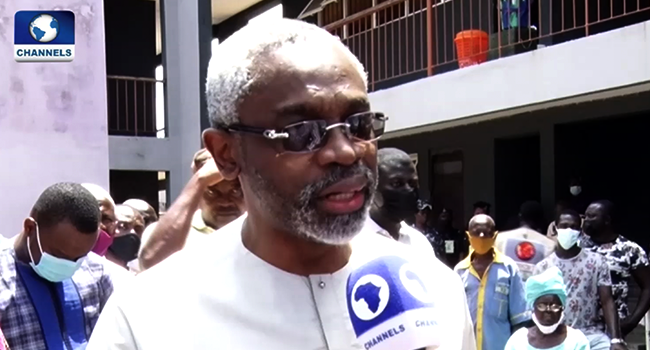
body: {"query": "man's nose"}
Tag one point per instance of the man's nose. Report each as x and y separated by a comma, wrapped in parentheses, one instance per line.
(339, 149)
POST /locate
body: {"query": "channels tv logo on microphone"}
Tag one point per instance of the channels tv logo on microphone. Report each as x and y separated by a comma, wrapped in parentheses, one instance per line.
(391, 305)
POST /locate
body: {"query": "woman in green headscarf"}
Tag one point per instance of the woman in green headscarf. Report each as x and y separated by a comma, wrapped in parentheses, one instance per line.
(546, 294)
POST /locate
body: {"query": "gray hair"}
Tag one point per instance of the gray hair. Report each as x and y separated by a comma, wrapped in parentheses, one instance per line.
(231, 70)
(98, 192)
(388, 155)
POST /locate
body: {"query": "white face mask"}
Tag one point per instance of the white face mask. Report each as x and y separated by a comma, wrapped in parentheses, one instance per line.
(575, 190)
(548, 329)
(567, 237)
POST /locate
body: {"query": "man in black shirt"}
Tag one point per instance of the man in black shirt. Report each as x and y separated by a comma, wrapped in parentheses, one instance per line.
(450, 244)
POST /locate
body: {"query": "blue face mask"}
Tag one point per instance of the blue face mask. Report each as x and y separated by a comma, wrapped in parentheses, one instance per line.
(50, 267)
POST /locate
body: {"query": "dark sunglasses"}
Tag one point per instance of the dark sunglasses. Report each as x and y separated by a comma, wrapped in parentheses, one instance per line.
(310, 135)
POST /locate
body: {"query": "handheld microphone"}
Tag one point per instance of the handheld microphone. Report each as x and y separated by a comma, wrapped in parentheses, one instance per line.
(391, 305)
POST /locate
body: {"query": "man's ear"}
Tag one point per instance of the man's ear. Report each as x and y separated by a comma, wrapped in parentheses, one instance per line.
(378, 200)
(29, 226)
(222, 147)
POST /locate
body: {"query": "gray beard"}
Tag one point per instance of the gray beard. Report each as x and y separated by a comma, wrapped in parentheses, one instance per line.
(300, 215)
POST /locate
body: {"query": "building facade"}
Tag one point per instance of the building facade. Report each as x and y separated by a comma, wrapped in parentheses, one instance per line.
(510, 101)
(496, 131)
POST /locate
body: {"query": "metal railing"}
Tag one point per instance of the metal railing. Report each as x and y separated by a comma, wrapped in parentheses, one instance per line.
(132, 105)
(402, 40)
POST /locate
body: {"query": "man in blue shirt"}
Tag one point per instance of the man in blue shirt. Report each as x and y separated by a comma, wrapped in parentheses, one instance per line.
(494, 289)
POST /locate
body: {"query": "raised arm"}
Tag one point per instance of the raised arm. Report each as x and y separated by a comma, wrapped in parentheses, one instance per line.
(171, 231)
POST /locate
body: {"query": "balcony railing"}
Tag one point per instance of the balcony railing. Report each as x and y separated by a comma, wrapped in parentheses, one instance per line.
(132, 106)
(403, 40)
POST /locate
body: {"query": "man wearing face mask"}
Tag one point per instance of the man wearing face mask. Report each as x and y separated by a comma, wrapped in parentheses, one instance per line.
(126, 244)
(494, 289)
(149, 214)
(560, 206)
(107, 226)
(588, 283)
(397, 199)
(108, 220)
(52, 289)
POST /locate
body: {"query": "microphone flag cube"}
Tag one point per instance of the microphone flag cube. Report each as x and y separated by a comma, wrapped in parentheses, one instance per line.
(391, 305)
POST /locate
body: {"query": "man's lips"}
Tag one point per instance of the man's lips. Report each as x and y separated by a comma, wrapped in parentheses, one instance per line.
(345, 187)
(344, 197)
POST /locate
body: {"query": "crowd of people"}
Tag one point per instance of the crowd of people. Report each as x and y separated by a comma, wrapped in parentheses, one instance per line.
(288, 197)
(597, 266)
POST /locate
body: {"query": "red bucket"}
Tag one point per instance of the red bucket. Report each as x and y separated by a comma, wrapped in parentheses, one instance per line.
(472, 47)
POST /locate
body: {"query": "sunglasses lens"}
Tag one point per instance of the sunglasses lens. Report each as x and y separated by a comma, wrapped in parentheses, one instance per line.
(367, 126)
(549, 308)
(304, 137)
(309, 135)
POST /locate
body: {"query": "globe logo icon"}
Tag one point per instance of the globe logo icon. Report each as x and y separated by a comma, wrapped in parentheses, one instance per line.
(369, 297)
(44, 28)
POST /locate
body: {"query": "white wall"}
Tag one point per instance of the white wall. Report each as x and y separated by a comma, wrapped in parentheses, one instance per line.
(52, 115)
(142, 153)
(547, 77)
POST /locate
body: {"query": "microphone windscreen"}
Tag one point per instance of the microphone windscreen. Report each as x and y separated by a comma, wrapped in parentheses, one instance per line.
(391, 305)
